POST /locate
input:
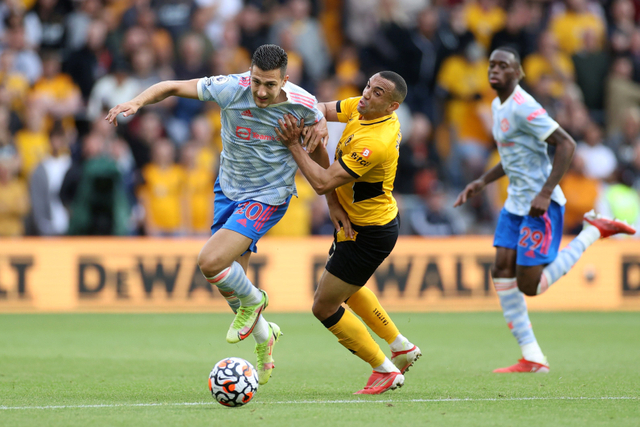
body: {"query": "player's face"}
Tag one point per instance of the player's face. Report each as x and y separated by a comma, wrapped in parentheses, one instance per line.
(266, 86)
(377, 99)
(503, 69)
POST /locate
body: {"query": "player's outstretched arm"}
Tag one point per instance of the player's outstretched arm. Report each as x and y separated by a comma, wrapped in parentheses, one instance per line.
(329, 110)
(475, 187)
(322, 180)
(565, 147)
(154, 94)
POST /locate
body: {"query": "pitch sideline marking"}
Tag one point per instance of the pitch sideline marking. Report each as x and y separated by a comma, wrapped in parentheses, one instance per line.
(306, 402)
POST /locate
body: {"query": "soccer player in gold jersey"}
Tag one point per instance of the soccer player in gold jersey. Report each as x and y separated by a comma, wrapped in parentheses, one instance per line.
(358, 186)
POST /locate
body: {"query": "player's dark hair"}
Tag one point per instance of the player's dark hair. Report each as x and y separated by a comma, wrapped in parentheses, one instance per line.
(511, 51)
(270, 57)
(400, 86)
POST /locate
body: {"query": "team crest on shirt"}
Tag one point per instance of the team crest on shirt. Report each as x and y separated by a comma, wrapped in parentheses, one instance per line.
(504, 125)
(348, 140)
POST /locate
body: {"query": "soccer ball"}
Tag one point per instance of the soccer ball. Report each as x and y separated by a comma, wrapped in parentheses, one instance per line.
(233, 381)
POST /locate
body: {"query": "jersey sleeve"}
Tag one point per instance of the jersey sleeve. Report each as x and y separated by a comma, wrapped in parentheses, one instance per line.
(219, 89)
(366, 154)
(312, 115)
(534, 120)
(346, 107)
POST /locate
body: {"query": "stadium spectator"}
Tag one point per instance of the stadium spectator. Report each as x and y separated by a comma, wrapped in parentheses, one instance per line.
(14, 199)
(591, 68)
(94, 193)
(32, 141)
(549, 61)
(51, 14)
(216, 14)
(48, 217)
(434, 215)
(253, 31)
(622, 26)
(78, 23)
(484, 18)
(581, 193)
(307, 35)
(570, 25)
(26, 61)
(514, 34)
(90, 61)
(463, 79)
(197, 190)
(620, 200)
(57, 93)
(623, 141)
(174, 15)
(15, 84)
(161, 193)
(622, 93)
(112, 89)
(599, 160)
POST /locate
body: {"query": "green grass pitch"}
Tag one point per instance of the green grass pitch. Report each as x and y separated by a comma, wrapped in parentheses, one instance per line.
(151, 370)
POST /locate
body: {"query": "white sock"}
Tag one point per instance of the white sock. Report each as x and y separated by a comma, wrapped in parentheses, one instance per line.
(567, 258)
(533, 353)
(400, 344)
(386, 367)
(261, 330)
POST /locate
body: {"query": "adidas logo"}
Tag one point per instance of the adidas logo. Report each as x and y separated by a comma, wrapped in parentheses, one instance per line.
(247, 113)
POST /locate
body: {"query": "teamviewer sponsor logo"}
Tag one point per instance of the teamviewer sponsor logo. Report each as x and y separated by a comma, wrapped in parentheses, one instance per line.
(243, 133)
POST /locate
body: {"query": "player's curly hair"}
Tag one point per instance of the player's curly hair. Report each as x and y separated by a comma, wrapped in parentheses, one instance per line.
(400, 86)
(270, 57)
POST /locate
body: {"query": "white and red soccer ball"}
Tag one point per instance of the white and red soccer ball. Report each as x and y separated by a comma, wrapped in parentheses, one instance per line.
(233, 381)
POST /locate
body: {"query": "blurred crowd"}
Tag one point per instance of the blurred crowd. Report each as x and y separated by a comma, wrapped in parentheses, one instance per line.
(63, 63)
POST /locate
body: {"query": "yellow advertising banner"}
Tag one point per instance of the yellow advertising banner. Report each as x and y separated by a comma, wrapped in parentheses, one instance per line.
(438, 274)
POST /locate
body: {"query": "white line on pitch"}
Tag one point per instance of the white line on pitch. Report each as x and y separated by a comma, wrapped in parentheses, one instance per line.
(307, 402)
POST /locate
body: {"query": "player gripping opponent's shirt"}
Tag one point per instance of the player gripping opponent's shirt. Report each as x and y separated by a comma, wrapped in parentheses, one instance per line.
(368, 150)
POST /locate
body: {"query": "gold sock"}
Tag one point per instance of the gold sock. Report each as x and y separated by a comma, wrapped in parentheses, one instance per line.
(354, 336)
(366, 305)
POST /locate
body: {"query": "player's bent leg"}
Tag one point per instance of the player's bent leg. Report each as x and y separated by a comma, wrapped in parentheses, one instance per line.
(366, 305)
(528, 278)
(595, 227)
(224, 247)
(353, 334)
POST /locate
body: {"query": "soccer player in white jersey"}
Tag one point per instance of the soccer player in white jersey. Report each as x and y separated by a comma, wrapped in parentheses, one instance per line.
(256, 179)
(529, 228)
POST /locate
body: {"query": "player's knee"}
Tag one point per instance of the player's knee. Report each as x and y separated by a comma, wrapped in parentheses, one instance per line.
(529, 289)
(322, 311)
(498, 271)
(209, 264)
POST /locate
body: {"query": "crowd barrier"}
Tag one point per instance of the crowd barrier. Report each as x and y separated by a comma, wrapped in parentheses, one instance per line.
(436, 274)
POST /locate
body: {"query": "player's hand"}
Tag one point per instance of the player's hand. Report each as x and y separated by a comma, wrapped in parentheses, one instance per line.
(314, 135)
(339, 217)
(290, 130)
(127, 109)
(472, 189)
(539, 205)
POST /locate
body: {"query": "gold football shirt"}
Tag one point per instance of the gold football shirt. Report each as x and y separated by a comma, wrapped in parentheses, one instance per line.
(368, 150)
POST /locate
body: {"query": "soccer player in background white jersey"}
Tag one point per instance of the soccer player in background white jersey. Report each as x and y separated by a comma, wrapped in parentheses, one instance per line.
(256, 179)
(529, 228)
